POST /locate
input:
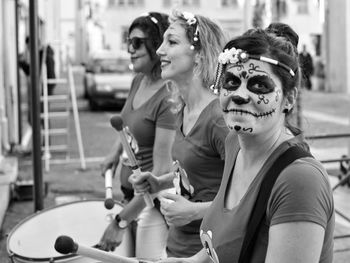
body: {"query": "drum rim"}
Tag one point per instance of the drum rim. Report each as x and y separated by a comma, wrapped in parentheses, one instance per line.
(72, 255)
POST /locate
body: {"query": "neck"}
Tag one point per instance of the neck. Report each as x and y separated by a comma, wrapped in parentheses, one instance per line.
(259, 147)
(194, 94)
(150, 81)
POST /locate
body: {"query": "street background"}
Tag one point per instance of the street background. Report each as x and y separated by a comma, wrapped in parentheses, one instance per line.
(323, 113)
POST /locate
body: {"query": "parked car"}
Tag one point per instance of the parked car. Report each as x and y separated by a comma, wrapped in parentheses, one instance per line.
(107, 78)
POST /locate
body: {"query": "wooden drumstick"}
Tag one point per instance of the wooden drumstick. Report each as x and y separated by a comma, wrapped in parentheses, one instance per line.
(66, 245)
(117, 123)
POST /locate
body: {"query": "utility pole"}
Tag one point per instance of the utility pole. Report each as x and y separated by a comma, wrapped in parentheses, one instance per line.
(35, 110)
(19, 97)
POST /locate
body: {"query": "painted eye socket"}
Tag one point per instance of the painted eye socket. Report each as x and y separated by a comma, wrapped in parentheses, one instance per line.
(261, 84)
(231, 82)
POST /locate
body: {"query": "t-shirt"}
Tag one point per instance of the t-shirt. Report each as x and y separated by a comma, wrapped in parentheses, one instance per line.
(201, 154)
(143, 121)
(301, 193)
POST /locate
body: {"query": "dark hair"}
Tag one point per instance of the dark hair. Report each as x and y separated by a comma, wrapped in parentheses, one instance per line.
(153, 24)
(262, 43)
(285, 31)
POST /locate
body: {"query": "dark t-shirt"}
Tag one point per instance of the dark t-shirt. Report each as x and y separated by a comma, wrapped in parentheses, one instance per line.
(301, 193)
(143, 121)
(201, 154)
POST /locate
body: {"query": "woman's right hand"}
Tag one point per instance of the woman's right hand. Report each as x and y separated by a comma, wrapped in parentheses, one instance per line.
(145, 182)
(112, 237)
(110, 162)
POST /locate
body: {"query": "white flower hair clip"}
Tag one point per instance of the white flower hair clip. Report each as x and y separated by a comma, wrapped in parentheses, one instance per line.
(233, 56)
(192, 21)
(190, 18)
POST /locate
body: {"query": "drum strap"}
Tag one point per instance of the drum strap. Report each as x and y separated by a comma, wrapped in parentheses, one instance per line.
(259, 210)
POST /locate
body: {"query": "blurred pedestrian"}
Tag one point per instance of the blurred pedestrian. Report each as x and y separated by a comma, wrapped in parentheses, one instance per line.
(148, 113)
(275, 202)
(188, 55)
(307, 68)
(24, 63)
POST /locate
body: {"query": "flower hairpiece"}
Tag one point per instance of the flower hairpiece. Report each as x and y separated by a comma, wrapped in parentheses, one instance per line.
(233, 56)
(192, 21)
(190, 18)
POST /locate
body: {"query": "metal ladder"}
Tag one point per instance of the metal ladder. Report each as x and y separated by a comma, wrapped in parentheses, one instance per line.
(56, 118)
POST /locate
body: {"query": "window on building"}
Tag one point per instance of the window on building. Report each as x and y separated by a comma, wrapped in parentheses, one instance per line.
(229, 3)
(302, 7)
(167, 3)
(125, 3)
(125, 33)
(111, 3)
(282, 7)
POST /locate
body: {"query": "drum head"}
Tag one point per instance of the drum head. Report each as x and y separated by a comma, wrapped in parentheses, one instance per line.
(84, 221)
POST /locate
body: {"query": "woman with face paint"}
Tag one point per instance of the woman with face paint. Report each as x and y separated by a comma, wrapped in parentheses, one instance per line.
(148, 113)
(188, 54)
(275, 202)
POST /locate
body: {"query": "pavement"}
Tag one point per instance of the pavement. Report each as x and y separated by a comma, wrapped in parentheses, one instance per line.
(323, 113)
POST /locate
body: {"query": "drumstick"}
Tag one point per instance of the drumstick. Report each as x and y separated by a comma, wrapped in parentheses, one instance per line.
(66, 245)
(109, 202)
(117, 123)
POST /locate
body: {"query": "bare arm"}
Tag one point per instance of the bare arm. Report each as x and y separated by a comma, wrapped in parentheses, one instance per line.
(112, 159)
(295, 242)
(162, 160)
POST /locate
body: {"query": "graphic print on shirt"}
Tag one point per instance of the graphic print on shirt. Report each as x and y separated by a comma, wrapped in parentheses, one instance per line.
(133, 146)
(181, 183)
(206, 238)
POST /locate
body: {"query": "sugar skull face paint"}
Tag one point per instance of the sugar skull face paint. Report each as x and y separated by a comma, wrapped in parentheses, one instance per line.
(251, 97)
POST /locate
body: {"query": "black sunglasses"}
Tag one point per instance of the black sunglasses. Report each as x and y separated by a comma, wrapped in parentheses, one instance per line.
(136, 42)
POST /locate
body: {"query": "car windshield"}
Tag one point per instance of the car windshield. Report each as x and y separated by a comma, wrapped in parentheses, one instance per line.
(113, 65)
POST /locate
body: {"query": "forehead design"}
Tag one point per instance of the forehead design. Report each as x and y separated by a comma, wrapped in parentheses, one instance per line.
(238, 56)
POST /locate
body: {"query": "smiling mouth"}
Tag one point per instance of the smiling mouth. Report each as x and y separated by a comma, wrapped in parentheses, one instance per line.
(164, 63)
(256, 115)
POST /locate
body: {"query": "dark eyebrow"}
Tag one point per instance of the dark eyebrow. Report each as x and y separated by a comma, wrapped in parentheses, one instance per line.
(230, 74)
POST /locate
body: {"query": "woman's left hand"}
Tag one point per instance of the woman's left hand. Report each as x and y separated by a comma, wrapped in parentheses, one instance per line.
(177, 210)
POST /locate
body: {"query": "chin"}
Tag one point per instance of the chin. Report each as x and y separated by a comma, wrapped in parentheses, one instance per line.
(165, 75)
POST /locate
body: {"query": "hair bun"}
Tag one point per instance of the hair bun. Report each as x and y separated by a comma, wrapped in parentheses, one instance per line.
(285, 31)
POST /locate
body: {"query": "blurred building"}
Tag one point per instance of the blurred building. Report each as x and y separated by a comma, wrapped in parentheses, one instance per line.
(233, 15)
(337, 46)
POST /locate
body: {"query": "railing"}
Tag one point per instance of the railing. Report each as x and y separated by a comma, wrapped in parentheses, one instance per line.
(344, 177)
(330, 136)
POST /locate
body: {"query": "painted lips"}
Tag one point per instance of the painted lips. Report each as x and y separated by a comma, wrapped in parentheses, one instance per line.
(257, 115)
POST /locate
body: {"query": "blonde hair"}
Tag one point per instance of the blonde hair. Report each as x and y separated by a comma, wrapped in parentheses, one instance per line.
(211, 42)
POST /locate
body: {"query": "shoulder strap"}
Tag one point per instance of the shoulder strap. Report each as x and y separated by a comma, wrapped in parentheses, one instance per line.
(258, 212)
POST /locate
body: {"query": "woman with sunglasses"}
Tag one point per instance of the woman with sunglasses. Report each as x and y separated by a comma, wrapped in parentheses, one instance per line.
(275, 202)
(148, 113)
(188, 54)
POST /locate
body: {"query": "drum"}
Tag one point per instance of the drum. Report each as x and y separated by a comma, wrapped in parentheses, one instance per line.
(33, 239)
